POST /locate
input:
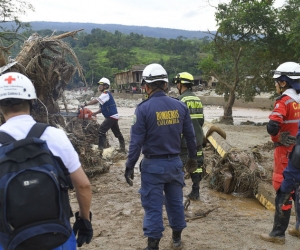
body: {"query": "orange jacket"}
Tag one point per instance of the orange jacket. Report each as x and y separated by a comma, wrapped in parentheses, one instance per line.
(287, 113)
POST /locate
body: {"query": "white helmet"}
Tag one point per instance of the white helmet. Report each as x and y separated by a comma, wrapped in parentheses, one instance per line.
(289, 69)
(104, 80)
(17, 86)
(154, 72)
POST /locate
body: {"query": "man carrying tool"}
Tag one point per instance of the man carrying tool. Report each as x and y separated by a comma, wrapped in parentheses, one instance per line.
(109, 110)
(283, 128)
(184, 82)
(158, 124)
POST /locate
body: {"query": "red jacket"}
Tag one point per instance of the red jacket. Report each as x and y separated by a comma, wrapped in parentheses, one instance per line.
(287, 112)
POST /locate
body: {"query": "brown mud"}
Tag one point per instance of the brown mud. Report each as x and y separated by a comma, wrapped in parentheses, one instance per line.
(235, 222)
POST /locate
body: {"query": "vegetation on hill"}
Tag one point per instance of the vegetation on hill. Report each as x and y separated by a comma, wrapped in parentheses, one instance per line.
(125, 29)
(253, 37)
(102, 53)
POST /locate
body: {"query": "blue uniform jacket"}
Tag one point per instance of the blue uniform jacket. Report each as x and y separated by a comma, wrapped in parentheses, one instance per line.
(109, 108)
(157, 127)
(291, 175)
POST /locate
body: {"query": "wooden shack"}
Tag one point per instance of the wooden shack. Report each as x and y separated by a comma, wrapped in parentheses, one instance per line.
(129, 80)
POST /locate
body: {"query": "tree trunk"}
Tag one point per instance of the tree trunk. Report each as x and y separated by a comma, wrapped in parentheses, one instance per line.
(227, 117)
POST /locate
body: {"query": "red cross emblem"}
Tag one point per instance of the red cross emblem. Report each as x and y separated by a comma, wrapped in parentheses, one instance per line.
(10, 79)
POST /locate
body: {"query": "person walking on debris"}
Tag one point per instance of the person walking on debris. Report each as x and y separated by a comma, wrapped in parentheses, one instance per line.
(283, 128)
(109, 110)
(184, 82)
(157, 127)
(16, 100)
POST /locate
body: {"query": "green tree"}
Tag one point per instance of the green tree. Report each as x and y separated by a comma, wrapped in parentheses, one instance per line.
(244, 49)
(11, 11)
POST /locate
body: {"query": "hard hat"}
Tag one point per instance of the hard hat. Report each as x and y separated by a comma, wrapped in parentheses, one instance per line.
(17, 86)
(289, 72)
(183, 78)
(154, 72)
(104, 80)
(289, 69)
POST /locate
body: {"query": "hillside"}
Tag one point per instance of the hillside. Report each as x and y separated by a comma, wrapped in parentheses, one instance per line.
(142, 30)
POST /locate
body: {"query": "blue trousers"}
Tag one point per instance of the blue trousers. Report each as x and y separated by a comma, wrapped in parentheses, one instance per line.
(70, 244)
(162, 181)
(291, 183)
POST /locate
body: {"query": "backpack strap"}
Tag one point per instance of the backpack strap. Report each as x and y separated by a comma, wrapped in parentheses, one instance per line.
(6, 138)
(37, 130)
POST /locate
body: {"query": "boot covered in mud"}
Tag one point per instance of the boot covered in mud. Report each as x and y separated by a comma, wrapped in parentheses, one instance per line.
(122, 145)
(101, 143)
(152, 244)
(281, 222)
(194, 194)
(176, 239)
(294, 232)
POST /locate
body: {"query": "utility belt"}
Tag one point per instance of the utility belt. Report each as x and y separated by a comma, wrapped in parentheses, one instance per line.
(168, 156)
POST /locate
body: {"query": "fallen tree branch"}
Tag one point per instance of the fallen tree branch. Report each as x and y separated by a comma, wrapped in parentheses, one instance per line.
(200, 215)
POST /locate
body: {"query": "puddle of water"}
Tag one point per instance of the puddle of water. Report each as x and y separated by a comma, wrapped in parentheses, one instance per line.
(246, 206)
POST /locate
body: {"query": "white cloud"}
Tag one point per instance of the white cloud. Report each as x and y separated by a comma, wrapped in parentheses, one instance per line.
(177, 14)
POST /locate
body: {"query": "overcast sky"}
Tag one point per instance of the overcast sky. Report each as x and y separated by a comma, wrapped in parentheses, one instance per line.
(176, 14)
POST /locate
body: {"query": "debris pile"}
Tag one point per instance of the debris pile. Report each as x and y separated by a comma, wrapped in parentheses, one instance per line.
(233, 170)
(238, 172)
(50, 63)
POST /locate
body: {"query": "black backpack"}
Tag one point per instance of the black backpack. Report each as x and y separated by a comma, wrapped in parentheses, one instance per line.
(34, 201)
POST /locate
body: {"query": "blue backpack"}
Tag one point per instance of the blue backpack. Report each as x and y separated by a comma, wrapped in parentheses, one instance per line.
(34, 202)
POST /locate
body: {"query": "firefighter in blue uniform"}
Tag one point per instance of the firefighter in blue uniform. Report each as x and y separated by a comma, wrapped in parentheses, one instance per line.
(157, 127)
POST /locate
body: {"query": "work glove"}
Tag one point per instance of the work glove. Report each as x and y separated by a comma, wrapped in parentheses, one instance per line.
(191, 165)
(84, 229)
(286, 139)
(129, 175)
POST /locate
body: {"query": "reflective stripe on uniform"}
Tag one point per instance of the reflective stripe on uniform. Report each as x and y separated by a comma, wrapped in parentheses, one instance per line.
(198, 170)
(194, 105)
(196, 116)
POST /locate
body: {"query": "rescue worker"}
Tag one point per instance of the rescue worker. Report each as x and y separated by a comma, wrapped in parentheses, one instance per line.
(184, 82)
(283, 128)
(15, 105)
(158, 124)
(107, 106)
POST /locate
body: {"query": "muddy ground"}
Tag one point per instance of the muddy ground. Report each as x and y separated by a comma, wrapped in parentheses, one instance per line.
(235, 223)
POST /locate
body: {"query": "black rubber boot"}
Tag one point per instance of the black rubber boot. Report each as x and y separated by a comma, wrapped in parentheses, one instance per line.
(122, 144)
(281, 222)
(152, 244)
(101, 143)
(176, 239)
(194, 194)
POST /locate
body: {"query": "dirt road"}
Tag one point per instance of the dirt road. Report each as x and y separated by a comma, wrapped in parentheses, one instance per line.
(235, 223)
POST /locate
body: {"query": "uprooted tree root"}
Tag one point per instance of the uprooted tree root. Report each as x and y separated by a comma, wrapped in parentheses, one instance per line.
(50, 64)
(238, 172)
